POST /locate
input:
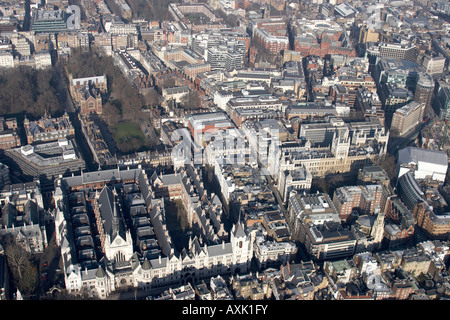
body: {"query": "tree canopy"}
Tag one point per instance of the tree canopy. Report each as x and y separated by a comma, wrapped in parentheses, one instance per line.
(124, 103)
(122, 107)
(29, 91)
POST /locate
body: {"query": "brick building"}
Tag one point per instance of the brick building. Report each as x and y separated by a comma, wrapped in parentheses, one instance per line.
(9, 137)
(366, 199)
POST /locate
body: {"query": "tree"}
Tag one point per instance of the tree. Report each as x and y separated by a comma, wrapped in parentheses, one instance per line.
(388, 163)
(191, 101)
(111, 114)
(24, 272)
(29, 282)
(17, 258)
(168, 83)
(152, 98)
(30, 91)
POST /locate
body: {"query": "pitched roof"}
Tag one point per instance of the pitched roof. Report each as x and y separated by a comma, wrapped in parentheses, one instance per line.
(110, 213)
(100, 272)
(414, 155)
(239, 230)
(146, 265)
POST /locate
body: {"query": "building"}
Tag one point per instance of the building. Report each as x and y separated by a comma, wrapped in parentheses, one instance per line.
(340, 271)
(368, 199)
(87, 93)
(9, 133)
(298, 281)
(273, 43)
(6, 59)
(99, 82)
(167, 185)
(399, 280)
(373, 174)
(425, 164)
(225, 58)
(399, 72)
(434, 65)
(155, 264)
(89, 100)
(276, 226)
(5, 178)
(46, 161)
(368, 35)
(250, 288)
(42, 59)
(424, 90)
(307, 209)
(48, 129)
(267, 104)
(344, 10)
(407, 118)
(191, 70)
(442, 102)
(48, 20)
(208, 123)
(299, 180)
(269, 253)
(310, 110)
(436, 224)
(22, 216)
(393, 97)
(175, 93)
(399, 224)
(428, 207)
(395, 51)
(335, 147)
(415, 262)
(320, 38)
(327, 241)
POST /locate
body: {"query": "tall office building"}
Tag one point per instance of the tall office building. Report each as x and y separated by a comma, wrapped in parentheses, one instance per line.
(424, 90)
(442, 102)
(407, 117)
(226, 57)
(434, 65)
(398, 51)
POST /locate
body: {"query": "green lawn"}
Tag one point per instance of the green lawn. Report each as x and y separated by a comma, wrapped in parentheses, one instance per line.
(125, 130)
(128, 137)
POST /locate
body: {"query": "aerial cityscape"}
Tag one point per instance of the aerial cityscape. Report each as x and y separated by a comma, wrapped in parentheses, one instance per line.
(224, 150)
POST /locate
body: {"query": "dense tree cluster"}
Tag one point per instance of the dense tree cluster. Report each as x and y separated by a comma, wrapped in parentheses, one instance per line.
(150, 10)
(24, 90)
(191, 101)
(24, 273)
(123, 102)
(122, 108)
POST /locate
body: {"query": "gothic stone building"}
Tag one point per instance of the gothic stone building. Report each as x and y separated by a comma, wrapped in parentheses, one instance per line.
(129, 244)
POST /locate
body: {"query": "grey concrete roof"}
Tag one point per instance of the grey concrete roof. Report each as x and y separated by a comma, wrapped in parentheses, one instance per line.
(414, 155)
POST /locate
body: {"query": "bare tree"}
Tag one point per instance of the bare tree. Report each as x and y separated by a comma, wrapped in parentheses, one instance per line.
(24, 272)
(17, 258)
(152, 98)
(191, 101)
(29, 281)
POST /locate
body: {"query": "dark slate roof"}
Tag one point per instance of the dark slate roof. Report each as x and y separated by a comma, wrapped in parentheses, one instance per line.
(110, 213)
